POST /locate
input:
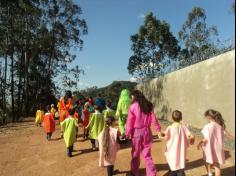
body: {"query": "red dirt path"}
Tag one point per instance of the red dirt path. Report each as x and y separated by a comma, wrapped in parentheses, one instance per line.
(24, 151)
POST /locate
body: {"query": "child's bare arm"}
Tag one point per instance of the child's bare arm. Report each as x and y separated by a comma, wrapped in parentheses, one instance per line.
(201, 143)
(229, 135)
(192, 138)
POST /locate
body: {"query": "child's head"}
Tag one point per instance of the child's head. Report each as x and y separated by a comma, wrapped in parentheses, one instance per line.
(108, 103)
(110, 120)
(216, 116)
(86, 105)
(177, 116)
(96, 107)
(52, 105)
(48, 108)
(72, 111)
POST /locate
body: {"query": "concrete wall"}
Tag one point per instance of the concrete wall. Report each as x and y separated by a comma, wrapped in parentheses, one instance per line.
(194, 89)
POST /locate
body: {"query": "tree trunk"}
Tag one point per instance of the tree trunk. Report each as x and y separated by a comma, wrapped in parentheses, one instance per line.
(12, 89)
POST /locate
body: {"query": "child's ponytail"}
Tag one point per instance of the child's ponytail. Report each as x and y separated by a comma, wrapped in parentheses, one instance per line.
(106, 137)
(219, 119)
(106, 141)
(216, 115)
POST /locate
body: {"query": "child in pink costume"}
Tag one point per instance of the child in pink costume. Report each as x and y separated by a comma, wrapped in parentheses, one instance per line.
(213, 143)
(140, 118)
(177, 136)
(109, 142)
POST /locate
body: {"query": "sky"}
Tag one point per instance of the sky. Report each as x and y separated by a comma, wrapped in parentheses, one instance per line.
(107, 46)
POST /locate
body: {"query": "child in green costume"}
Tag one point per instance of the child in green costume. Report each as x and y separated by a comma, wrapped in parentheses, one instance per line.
(69, 126)
(96, 125)
(122, 109)
(108, 112)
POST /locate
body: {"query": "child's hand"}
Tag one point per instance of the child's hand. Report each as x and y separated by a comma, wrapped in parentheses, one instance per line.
(123, 138)
(161, 135)
(199, 146)
(192, 140)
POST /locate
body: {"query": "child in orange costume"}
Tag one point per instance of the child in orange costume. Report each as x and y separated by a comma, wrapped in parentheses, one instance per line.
(86, 115)
(65, 105)
(49, 123)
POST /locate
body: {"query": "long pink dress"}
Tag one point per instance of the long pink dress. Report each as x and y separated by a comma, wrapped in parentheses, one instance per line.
(213, 151)
(114, 147)
(176, 146)
(138, 126)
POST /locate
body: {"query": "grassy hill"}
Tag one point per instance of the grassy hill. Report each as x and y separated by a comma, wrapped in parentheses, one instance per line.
(111, 92)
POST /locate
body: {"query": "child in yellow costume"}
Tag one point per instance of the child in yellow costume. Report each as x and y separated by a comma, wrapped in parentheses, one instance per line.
(39, 117)
(53, 110)
(96, 125)
(108, 112)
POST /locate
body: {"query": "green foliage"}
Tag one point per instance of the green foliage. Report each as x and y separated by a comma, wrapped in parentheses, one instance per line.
(154, 47)
(36, 37)
(197, 38)
(111, 92)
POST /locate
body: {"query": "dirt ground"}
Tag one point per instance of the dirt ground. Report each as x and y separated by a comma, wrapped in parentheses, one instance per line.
(24, 151)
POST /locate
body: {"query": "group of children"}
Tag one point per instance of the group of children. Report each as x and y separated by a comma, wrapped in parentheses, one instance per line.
(135, 115)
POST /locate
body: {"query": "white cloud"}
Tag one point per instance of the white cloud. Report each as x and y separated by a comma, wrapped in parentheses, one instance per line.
(141, 15)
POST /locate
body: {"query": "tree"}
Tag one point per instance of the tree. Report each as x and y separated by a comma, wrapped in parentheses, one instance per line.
(36, 38)
(197, 38)
(154, 47)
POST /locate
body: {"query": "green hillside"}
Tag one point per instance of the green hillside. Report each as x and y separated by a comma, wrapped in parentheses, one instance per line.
(111, 92)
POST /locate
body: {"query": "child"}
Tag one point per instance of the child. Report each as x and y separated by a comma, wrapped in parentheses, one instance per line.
(109, 142)
(65, 106)
(122, 109)
(86, 115)
(138, 127)
(95, 126)
(69, 126)
(108, 111)
(49, 123)
(177, 136)
(53, 110)
(213, 142)
(39, 117)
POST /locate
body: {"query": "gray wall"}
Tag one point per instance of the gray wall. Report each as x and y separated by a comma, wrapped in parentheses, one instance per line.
(194, 89)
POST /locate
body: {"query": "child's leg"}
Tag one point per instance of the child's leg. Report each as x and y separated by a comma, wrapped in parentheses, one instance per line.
(208, 168)
(87, 133)
(136, 151)
(217, 169)
(121, 123)
(110, 170)
(50, 135)
(47, 136)
(72, 147)
(84, 133)
(172, 173)
(68, 151)
(61, 132)
(93, 143)
(146, 152)
(180, 172)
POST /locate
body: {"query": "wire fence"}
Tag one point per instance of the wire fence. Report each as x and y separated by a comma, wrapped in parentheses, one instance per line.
(220, 48)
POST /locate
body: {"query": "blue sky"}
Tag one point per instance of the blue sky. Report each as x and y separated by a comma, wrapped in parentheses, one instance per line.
(107, 46)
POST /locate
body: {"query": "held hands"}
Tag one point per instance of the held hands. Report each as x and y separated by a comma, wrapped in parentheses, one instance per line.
(201, 144)
(161, 135)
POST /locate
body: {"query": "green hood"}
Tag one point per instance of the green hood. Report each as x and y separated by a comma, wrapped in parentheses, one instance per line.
(123, 103)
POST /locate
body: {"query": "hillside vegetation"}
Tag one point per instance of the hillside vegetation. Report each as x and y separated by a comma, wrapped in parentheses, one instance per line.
(110, 92)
